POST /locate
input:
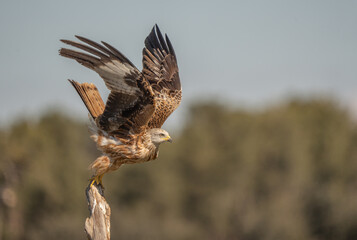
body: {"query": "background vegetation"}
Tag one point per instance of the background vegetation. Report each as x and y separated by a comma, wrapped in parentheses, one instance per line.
(286, 172)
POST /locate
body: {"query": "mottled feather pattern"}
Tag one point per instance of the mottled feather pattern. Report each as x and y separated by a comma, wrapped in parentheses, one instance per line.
(115, 69)
(161, 71)
(165, 104)
(138, 104)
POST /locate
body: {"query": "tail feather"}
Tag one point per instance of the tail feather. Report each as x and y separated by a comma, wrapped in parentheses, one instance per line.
(90, 97)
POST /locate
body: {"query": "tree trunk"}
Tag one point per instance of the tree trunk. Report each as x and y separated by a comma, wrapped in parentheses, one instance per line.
(97, 225)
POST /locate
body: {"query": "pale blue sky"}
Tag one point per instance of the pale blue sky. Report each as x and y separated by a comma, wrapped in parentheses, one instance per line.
(249, 53)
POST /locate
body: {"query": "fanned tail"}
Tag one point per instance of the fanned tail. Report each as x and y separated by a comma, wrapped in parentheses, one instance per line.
(90, 97)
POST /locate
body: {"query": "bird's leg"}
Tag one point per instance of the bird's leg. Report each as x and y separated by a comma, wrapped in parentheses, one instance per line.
(92, 180)
(100, 177)
(96, 179)
(99, 167)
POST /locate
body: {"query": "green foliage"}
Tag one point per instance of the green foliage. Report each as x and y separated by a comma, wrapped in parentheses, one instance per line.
(287, 172)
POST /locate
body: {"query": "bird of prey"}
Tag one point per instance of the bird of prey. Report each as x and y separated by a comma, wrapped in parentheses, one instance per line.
(127, 129)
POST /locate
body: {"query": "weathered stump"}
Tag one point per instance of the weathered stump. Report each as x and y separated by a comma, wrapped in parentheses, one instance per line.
(97, 225)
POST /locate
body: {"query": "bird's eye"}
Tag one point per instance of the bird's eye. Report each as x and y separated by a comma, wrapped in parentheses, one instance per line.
(162, 135)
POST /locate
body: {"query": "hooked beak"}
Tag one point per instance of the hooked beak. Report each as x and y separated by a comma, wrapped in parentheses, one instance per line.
(168, 139)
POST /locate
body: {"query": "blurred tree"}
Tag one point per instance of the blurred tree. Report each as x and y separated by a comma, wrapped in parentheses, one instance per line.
(45, 163)
(287, 172)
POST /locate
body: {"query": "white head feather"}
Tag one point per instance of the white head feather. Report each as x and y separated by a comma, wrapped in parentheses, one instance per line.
(159, 136)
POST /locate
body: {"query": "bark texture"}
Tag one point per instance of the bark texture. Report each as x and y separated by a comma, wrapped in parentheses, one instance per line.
(97, 225)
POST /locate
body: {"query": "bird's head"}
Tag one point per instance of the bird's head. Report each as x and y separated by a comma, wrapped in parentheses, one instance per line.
(159, 136)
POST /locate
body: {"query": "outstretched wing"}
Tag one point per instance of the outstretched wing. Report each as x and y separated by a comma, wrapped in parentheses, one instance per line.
(161, 71)
(130, 104)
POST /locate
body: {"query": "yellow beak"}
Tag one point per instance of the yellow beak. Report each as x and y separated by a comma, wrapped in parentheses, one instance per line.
(168, 139)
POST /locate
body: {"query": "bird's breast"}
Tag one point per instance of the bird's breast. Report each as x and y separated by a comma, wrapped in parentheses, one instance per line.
(127, 151)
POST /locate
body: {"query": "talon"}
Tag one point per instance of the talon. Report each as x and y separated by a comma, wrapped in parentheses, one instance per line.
(97, 180)
(92, 180)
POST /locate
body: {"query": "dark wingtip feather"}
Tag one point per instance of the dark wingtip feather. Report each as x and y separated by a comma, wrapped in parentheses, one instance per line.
(171, 48)
(152, 42)
(79, 37)
(61, 52)
(161, 40)
(155, 40)
(83, 39)
(118, 54)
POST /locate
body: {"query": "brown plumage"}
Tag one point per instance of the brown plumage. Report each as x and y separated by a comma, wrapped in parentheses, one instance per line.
(127, 129)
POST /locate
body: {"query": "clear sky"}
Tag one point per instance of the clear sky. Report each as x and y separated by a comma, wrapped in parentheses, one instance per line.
(248, 53)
